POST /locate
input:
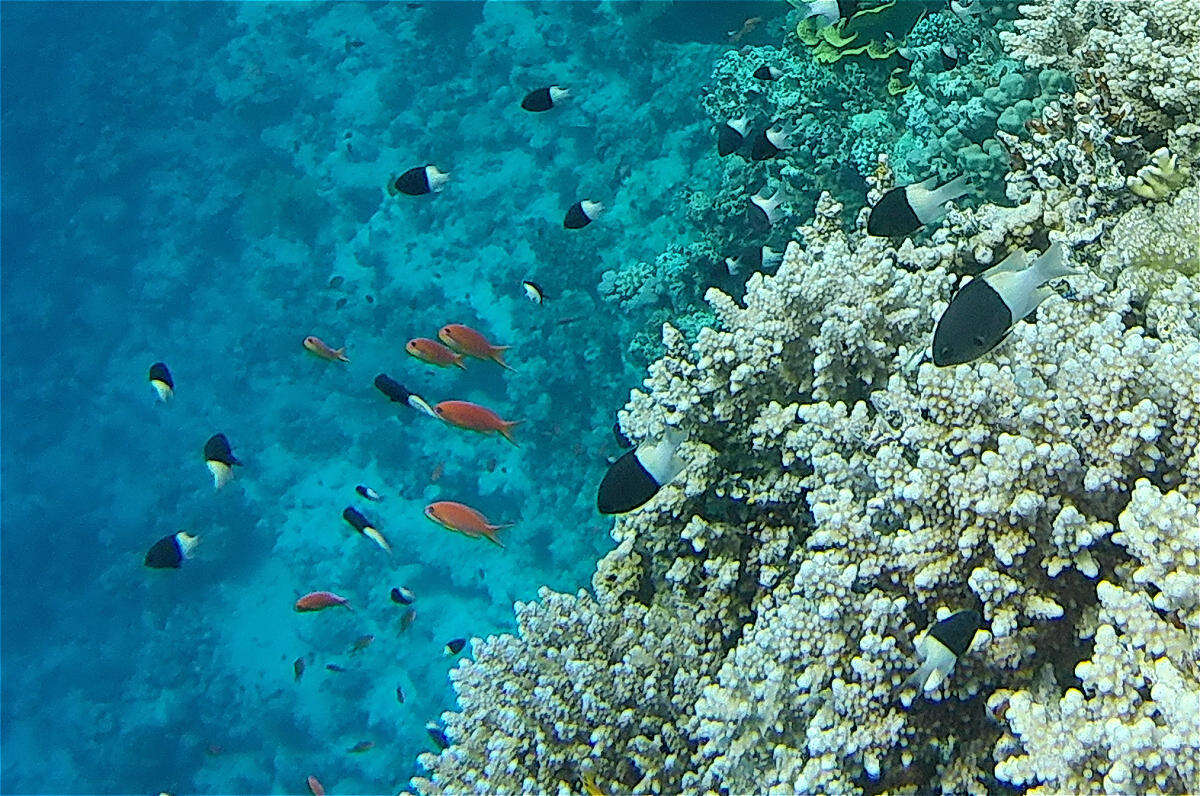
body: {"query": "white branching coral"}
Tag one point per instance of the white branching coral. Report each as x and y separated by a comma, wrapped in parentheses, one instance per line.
(1133, 723)
(754, 626)
(1147, 51)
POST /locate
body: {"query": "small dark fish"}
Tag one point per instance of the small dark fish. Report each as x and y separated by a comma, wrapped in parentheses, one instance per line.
(361, 643)
(219, 458)
(543, 99)
(949, 57)
(731, 134)
(764, 212)
(406, 621)
(400, 695)
(298, 668)
(770, 142)
(753, 259)
(455, 646)
(984, 311)
(402, 595)
(333, 667)
(341, 302)
(337, 281)
(171, 551)
(941, 647)
(905, 209)
(438, 737)
(767, 73)
(368, 493)
(161, 381)
(353, 44)
(582, 213)
(361, 524)
(396, 392)
(360, 747)
(418, 180)
(636, 477)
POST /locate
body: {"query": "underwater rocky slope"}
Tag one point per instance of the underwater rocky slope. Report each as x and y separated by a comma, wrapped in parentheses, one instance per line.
(752, 628)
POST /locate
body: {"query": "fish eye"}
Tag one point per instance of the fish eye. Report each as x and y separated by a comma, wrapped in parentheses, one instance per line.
(977, 340)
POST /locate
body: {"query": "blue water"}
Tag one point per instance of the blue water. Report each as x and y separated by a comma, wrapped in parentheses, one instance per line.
(184, 182)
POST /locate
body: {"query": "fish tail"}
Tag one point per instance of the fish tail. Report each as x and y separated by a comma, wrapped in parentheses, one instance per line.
(507, 428)
(490, 534)
(340, 353)
(498, 357)
(1051, 265)
(959, 186)
(458, 361)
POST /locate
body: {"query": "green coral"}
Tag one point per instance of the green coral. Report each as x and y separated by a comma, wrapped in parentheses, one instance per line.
(873, 31)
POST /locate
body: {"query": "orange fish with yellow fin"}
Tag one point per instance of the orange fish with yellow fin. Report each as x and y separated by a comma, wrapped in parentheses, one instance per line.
(474, 417)
(434, 353)
(317, 346)
(467, 341)
(464, 519)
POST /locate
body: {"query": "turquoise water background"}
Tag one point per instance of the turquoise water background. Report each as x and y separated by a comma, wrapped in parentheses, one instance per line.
(185, 183)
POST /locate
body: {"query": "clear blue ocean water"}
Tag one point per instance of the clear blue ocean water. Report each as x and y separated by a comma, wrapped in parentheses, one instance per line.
(203, 185)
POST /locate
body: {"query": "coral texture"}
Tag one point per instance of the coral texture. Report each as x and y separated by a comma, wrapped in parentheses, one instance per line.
(753, 628)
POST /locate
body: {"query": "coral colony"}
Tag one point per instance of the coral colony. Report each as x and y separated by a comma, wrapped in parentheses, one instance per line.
(844, 497)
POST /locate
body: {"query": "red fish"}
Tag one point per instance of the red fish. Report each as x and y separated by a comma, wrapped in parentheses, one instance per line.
(433, 352)
(472, 343)
(320, 600)
(317, 346)
(474, 417)
(315, 786)
(464, 519)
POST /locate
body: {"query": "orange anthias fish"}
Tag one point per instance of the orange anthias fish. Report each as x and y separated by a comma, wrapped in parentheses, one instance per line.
(315, 786)
(320, 600)
(464, 519)
(317, 346)
(472, 343)
(474, 417)
(433, 352)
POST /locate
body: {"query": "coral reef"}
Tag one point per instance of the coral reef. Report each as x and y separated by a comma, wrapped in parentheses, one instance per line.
(753, 628)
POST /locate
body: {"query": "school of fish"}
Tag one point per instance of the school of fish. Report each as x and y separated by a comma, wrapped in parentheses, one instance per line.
(978, 318)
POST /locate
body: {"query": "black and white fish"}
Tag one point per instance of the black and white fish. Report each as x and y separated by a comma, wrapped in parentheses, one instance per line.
(360, 523)
(418, 180)
(984, 311)
(905, 209)
(396, 392)
(543, 99)
(830, 11)
(753, 259)
(368, 493)
(949, 56)
(161, 381)
(768, 73)
(635, 478)
(940, 648)
(455, 646)
(764, 212)
(402, 595)
(533, 291)
(770, 142)
(967, 8)
(171, 551)
(219, 458)
(731, 135)
(582, 213)
(435, 733)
